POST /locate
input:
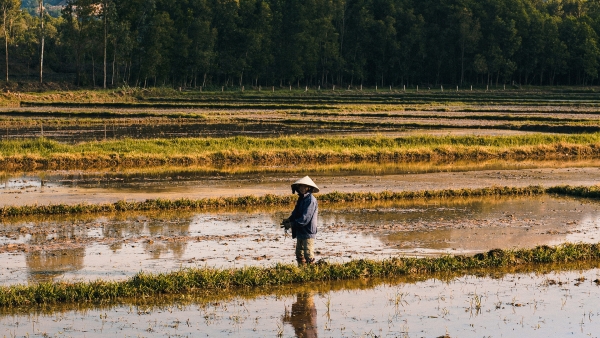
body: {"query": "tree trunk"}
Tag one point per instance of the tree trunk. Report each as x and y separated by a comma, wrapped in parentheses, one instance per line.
(462, 63)
(41, 41)
(125, 79)
(4, 15)
(112, 78)
(93, 71)
(105, 10)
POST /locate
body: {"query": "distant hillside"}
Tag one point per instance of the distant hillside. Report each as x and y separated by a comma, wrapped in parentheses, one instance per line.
(53, 7)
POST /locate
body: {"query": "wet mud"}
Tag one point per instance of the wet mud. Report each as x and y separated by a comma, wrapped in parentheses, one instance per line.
(72, 187)
(553, 304)
(78, 125)
(84, 133)
(118, 246)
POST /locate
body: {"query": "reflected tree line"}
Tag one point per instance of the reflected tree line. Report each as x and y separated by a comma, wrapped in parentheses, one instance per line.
(235, 43)
(45, 265)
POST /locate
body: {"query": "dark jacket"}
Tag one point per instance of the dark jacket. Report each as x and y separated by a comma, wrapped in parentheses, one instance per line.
(304, 217)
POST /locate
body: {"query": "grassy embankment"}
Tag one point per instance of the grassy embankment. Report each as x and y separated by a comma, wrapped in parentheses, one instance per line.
(321, 101)
(356, 113)
(130, 97)
(42, 153)
(373, 168)
(193, 280)
(144, 305)
(277, 200)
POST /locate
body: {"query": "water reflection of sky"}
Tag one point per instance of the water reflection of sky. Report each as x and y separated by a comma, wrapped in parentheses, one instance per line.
(586, 230)
(169, 179)
(21, 182)
(115, 246)
(555, 304)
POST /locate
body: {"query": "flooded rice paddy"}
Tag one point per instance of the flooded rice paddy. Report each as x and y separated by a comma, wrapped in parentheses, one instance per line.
(551, 304)
(147, 130)
(70, 187)
(81, 133)
(73, 125)
(117, 246)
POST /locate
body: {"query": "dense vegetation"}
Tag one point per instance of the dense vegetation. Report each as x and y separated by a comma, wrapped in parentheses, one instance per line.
(305, 43)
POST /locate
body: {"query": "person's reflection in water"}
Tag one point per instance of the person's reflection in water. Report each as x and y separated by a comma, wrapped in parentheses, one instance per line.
(303, 316)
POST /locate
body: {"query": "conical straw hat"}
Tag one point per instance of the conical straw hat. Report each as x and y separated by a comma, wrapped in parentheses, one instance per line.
(307, 181)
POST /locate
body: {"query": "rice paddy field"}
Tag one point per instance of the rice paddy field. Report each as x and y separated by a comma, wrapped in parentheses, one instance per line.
(155, 213)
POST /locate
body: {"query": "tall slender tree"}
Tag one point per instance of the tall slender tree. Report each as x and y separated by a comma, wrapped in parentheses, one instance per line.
(10, 9)
(319, 42)
(79, 28)
(469, 34)
(107, 10)
(42, 35)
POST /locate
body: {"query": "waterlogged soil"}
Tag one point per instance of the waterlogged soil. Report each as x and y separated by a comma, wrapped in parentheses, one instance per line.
(148, 130)
(553, 304)
(117, 246)
(77, 125)
(71, 187)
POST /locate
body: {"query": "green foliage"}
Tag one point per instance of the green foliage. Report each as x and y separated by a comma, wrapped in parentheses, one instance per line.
(264, 43)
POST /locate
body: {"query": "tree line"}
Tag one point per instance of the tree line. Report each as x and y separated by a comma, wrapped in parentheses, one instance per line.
(192, 43)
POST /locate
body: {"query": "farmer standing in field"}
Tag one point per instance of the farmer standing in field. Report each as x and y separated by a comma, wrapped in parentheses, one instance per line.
(303, 220)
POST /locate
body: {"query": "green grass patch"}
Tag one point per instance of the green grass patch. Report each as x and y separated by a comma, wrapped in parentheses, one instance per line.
(499, 116)
(188, 151)
(280, 200)
(266, 200)
(202, 279)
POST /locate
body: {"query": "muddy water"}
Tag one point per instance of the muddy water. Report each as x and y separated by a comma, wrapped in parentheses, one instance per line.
(84, 133)
(118, 246)
(555, 304)
(72, 187)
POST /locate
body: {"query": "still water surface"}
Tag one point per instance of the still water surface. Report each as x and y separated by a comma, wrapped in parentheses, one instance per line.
(76, 186)
(554, 304)
(116, 246)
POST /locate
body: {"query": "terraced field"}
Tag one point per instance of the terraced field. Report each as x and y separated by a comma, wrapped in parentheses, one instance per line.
(392, 114)
(191, 186)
